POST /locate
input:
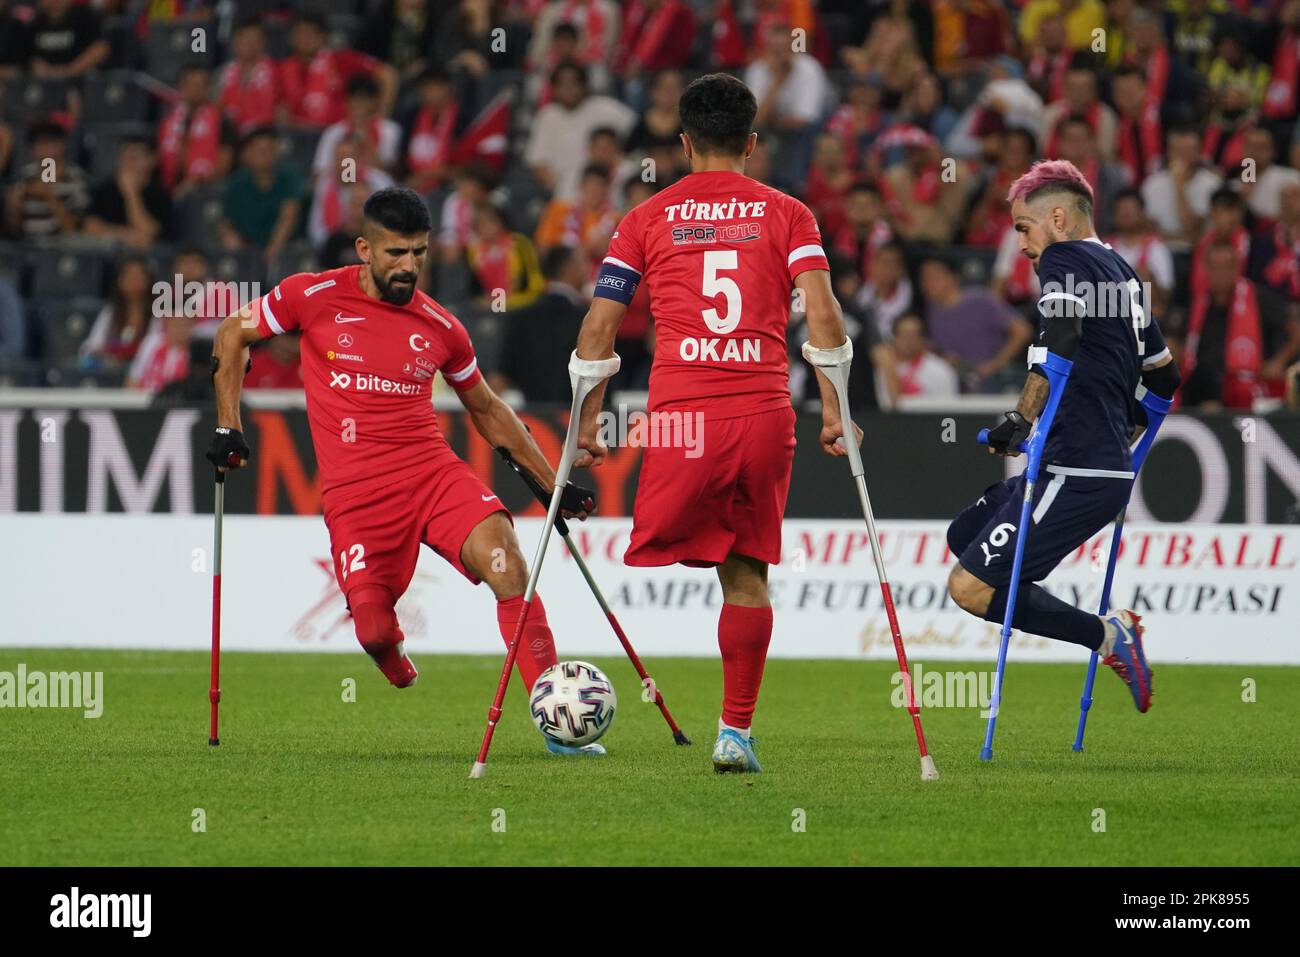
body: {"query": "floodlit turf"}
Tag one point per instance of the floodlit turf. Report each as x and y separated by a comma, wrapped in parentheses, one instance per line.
(302, 777)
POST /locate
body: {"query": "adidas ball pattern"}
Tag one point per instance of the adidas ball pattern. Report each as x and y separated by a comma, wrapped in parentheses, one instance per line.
(573, 703)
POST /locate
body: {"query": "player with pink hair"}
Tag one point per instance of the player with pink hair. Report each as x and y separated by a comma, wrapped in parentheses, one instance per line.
(1094, 312)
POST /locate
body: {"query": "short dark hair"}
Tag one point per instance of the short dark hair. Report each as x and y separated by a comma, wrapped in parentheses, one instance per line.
(257, 132)
(607, 131)
(46, 130)
(595, 169)
(312, 18)
(555, 260)
(571, 66)
(717, 113)
(399, 210)
(564, 29)
(1025, 134)
(1225, 196)
(249, 20)
(362, 84)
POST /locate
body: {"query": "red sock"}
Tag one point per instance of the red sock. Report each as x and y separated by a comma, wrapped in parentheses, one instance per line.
(536, 644)
(743, 636)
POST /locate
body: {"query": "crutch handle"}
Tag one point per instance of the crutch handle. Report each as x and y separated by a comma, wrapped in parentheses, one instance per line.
(984, 440)
(534, 486)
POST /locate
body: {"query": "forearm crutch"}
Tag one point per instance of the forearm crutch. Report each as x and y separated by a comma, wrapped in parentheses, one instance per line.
(584, 375)
(834, 364)
(1156, 409)
(218, 515)
(562, 527)
(1057, 370)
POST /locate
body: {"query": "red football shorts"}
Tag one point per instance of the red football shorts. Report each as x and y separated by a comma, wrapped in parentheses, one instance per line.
(375, 538)
(729, 498)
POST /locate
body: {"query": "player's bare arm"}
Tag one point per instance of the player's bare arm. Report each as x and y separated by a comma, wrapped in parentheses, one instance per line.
(596, 341)
(230, 361)
(825, 331)
(499, 425)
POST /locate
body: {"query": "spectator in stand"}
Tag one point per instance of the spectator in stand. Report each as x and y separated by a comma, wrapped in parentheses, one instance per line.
(352, 171)
(1138, 242)
(894, 48)
(1014, 278)
(1281, 100)
(1280, 246)
(829, 180)
(475, 37)
(563, 127)
(1227, 224)
(918, 371)
(61, 39)
(605, 148)
(859, 120)
(132, 206)
(977, 334)
(249, 85)
(1224, 143)
(1232, 325)
(791, 88)
(276, 363)
(970, 32)
(363, 118)
(503, 263)
(51, 193)
(263, 198)
(1166, 79)
(1234, 66)
(429, 133)
(922, 105)
(1080, 19)
(1080, 100)
(865, 229)
(122, 324)
(164, 354)
(540, 336)
(887, 293)
(194, 138)
(922, 204)
(1177, 198)
(1050, 58)
(1007, 155)
(473, 186)
(587, 224)
(1193, 26)
(658, 127)
(1263, 192)
(340, 248)
(401, 33)
(657, 35)
(585, 32)
(313, 77)
(1077, 143)
(1138, 137)
(190, 266)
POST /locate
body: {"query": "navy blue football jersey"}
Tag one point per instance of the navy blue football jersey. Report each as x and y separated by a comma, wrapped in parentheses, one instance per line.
(1120, 338)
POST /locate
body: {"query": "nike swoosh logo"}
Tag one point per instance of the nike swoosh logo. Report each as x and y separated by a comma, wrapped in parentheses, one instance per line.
(339, 317)
(487, 498)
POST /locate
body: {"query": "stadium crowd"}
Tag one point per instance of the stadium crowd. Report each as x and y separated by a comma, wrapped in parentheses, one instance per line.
(174, 142)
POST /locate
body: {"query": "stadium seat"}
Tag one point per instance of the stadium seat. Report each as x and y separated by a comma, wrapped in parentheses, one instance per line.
(196, 215)
(115, 97)
(19, 373)
(242, 265)
(296, 257)
(169, 48)
(64, 327)
(299, 147)
(31, 97)
(64, 273)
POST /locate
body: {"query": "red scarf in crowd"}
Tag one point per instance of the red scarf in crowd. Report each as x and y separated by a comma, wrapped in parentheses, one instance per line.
(1157, 72)
(189, 143)
(1139, 143)
(1240, 240)
(1283, 272)
(1052, 70)
(431, 139)
(1280, 100)
(650, 28)
(729, 49)
(1224, 152)
(1021, 283)
(249, 99)
(1243, 349)
(166, 364)
(492, 263)
(908, 384)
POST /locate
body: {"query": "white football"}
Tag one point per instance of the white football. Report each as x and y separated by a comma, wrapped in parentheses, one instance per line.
(572, 702)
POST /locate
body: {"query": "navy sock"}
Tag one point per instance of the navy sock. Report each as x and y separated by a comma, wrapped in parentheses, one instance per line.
(1040, 613)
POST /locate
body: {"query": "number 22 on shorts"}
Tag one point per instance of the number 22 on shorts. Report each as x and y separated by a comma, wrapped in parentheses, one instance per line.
(357, 562)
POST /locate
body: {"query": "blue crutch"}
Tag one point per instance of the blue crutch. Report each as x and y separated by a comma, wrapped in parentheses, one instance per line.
(1057, 369)
(1156, 408)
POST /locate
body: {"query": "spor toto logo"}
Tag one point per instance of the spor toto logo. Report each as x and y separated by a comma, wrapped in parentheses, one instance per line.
(418, 342)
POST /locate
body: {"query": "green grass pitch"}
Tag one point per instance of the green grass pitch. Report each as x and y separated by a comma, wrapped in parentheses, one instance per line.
(303, 777)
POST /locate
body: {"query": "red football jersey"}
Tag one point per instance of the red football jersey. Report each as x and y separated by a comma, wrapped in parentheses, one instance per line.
(250, 101)
(315, 91)
(367, 369)
(719, 252)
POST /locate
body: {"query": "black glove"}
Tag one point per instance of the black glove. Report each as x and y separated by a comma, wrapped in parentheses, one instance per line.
(227, 442)
(1006, 436)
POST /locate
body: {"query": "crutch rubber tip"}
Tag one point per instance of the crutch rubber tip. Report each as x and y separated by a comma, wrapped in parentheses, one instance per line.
(680, 737)
(213, 742)
(928, 771)
(986, 754)
(478, 770)
(1077, 747)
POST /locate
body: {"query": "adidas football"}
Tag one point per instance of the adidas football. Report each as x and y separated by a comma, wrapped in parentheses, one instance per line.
(573, 703)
